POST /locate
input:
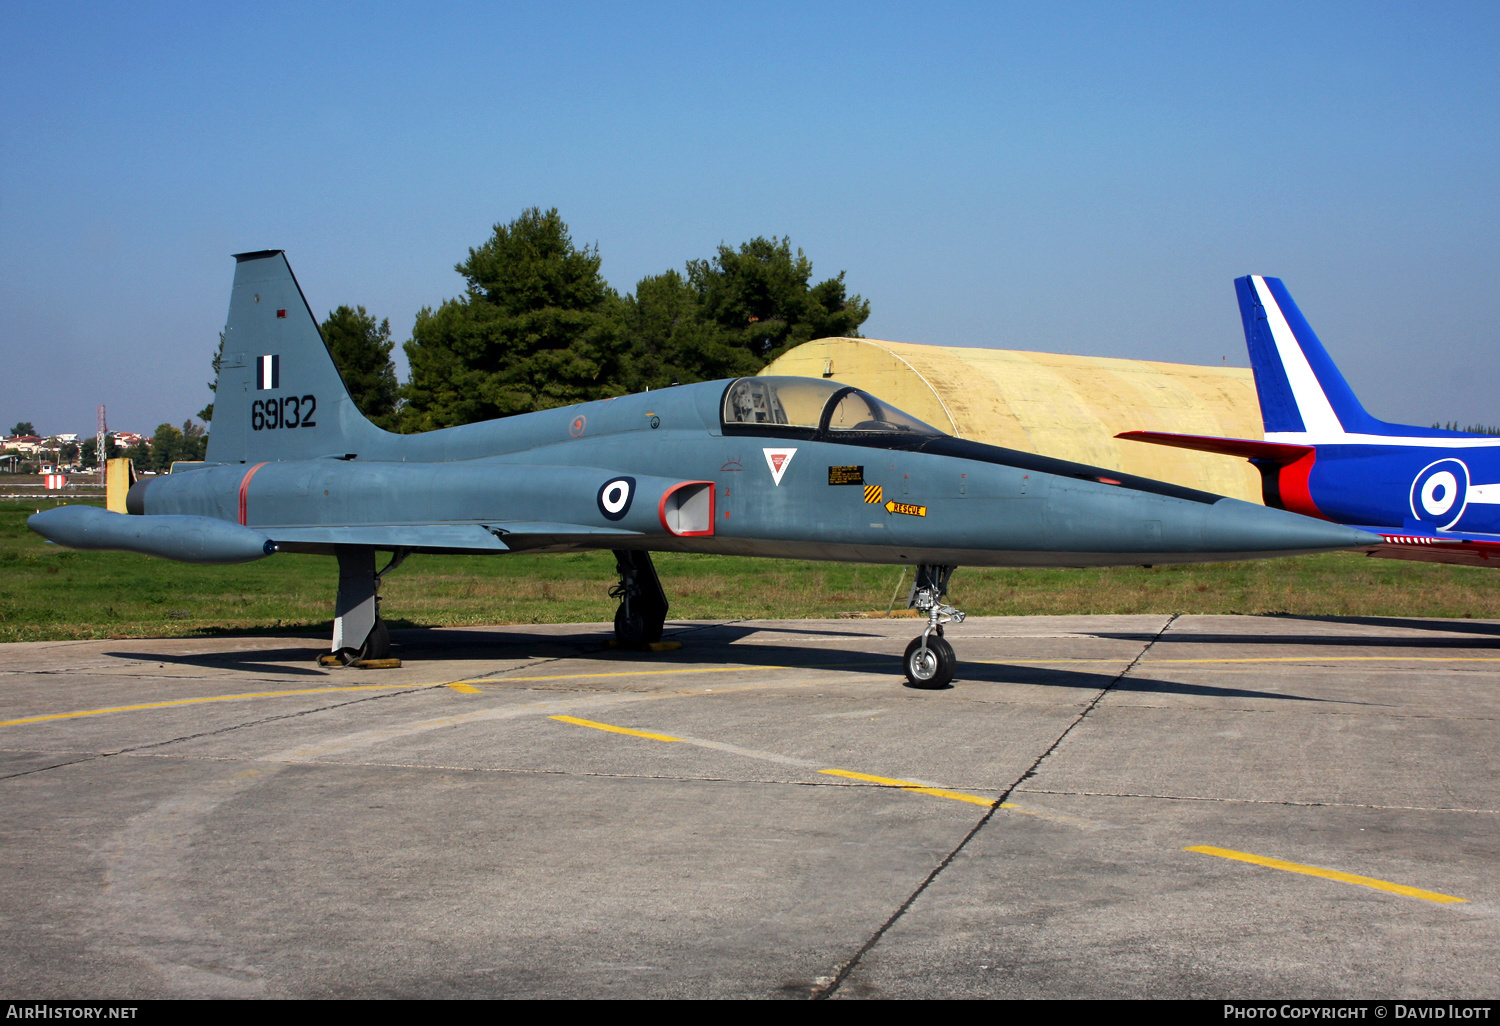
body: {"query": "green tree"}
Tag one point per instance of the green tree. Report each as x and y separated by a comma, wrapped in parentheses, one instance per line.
(733, 314)
(671, 340)
(165, 449)
(22, 428)
(207, 413)
(761, 292)
(361, 349)
(536, 328)
(194, 442)
(139, 454)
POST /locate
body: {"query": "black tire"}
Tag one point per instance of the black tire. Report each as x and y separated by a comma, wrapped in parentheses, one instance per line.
(642, 627)
(631, 628)
(378, 644)
(656, 621)
(932, 669)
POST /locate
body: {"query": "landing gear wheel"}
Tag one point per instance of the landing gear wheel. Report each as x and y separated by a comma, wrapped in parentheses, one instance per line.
(636, 627)
(630, 627)
(655, 622)
(378, 644)
(933, 668)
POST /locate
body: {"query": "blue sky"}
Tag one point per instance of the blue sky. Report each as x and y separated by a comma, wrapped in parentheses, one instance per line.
(1077, 177)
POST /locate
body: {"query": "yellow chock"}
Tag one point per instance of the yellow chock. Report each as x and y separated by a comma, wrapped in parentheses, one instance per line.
(377, 664)
(655, 646)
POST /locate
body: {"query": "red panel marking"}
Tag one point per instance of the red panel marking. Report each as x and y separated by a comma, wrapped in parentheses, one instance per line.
(1291, 482)
(245, 490)
(661, 509)
(280, 313)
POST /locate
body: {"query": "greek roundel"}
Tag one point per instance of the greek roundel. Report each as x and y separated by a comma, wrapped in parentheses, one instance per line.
(615, 496)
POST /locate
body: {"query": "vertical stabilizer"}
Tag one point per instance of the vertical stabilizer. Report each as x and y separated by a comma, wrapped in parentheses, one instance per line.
(1303, 397)
(1301, 390)
(279, 394)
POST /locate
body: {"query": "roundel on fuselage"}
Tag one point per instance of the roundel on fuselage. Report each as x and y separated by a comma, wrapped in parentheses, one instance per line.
(1440, 492)
(615, 496)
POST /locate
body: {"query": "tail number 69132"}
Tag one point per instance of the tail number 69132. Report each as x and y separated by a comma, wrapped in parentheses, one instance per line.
(286, 412)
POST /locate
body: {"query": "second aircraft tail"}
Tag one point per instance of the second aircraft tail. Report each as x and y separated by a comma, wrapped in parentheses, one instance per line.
(1303, 397)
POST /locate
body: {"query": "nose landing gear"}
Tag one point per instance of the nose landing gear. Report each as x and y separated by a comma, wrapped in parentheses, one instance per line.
(930, 661)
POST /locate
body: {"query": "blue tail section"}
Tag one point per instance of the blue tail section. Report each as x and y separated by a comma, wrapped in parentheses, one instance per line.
(1300, 387)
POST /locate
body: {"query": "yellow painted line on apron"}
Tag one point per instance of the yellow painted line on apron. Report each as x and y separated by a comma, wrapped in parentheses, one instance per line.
(1327, 874)
(211, 698)
(460, 686)
(907, 785)
(904, 785)
(663, 673)
(613, 729)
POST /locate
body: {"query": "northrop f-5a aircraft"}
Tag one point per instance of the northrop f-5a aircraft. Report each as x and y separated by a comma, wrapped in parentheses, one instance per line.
(1432, 495)
(765, 466)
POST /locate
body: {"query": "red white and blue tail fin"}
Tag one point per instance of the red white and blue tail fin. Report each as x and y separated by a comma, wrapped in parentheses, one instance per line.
(1304, 400)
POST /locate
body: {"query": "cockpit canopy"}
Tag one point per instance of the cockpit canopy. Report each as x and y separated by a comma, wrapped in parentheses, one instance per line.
(814, 408)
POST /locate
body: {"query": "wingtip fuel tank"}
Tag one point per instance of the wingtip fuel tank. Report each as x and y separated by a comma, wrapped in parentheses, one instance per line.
(186, 539)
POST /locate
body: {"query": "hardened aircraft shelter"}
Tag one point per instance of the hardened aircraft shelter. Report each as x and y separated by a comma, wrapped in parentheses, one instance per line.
(1070, 407)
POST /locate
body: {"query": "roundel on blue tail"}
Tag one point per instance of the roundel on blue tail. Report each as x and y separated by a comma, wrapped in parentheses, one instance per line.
(1440, 492)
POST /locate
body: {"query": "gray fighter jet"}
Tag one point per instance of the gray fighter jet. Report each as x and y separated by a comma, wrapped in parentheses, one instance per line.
(766, 466)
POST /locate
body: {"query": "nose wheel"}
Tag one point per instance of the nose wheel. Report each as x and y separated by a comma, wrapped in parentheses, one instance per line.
(930, 661)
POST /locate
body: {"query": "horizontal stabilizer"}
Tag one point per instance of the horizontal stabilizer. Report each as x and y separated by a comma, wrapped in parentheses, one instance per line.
(1250, 449)
(1419, 543)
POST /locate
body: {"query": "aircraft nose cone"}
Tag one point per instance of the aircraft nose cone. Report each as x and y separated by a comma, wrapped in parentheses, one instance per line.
(1234, 526)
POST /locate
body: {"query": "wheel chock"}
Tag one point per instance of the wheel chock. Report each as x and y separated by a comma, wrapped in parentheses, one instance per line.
(334, 659)
(655, 646)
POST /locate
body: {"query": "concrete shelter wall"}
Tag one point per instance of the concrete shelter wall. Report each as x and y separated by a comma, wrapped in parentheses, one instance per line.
(1070, 407)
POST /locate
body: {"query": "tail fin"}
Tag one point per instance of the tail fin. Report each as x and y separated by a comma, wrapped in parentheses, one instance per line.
(1301, 391)
(279, 395)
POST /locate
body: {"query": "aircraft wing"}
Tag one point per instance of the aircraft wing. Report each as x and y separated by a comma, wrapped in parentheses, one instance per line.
(490, 537)
(1250, 449)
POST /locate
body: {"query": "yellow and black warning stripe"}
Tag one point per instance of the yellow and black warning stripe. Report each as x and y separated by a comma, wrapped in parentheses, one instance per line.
(873, 493)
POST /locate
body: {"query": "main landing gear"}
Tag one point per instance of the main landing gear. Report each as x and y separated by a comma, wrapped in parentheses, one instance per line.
(358, 631)
(929, 659)
(643, 605)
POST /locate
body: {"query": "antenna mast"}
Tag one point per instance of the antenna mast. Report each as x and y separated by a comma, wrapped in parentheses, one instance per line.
(99, 445)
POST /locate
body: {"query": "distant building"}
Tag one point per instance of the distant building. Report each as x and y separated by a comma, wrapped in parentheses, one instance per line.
(27, 444)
